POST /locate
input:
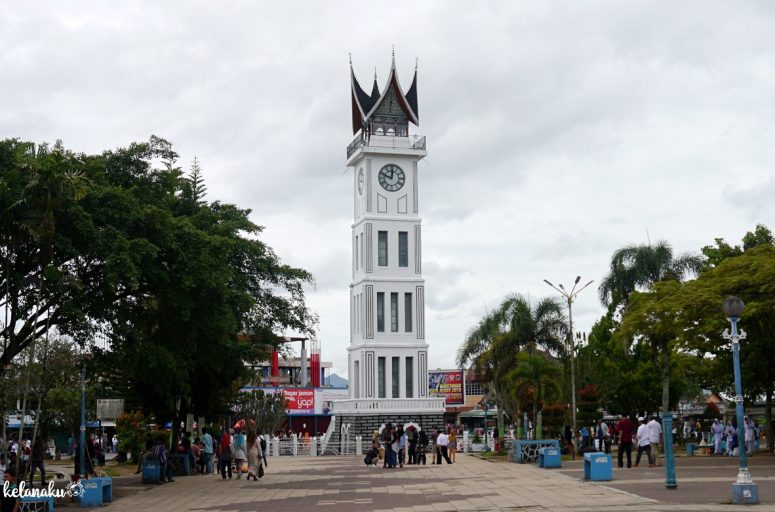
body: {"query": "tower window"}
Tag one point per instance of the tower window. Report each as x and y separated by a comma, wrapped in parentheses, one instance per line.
(407, 312)
(403, 249)
(381, 377)
(393, 312)
(395, 382)
(409, 377)
(382, 248)
(380, 312)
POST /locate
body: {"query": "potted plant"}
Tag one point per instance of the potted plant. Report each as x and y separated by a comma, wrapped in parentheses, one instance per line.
(477, 444)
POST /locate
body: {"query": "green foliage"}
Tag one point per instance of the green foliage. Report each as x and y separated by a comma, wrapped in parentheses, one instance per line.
(588, 405)
(637, 267)
(131, 428)
(534, 380)
(266, 410)
(118, 245)
(492, 347)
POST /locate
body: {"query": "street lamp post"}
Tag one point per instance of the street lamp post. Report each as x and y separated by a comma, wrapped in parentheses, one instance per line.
(82, 438)
(570, 297)
(744, 490)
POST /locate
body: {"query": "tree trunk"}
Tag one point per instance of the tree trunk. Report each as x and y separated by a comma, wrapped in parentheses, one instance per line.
(768, 419)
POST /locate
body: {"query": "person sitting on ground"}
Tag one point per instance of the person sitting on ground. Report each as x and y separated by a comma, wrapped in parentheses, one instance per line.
(372, 456)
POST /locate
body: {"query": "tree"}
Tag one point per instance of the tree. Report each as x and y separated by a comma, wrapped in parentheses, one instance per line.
(537, 375)
(493, 345)
(263, 412)
(637, 267)
(198, 187)
(112, 245)
(642, 267)
(750, 276)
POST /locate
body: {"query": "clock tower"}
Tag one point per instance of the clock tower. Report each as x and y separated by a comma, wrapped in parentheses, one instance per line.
(388, 352)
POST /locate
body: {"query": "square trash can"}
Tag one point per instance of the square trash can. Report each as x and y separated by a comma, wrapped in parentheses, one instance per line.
(549, 457)
(597, 466)
(150, 472)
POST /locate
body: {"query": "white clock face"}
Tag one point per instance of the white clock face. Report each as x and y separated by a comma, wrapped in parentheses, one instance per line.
(361, 181)
(391, 177)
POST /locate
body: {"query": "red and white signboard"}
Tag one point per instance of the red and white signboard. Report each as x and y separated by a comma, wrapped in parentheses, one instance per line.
(300, 400)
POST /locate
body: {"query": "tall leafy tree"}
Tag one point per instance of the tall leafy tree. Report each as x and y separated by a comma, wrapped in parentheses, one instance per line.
(491, 347)
(637, 267)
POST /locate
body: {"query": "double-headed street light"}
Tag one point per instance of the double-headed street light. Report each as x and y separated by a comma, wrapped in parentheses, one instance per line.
(570, 296)
(744, 490)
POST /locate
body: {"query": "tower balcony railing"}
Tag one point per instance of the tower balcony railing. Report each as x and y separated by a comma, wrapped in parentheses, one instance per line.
(386, 141)
(389, 405)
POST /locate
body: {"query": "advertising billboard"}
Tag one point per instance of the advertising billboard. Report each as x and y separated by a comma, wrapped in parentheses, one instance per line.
(300, 400)
(447, 384)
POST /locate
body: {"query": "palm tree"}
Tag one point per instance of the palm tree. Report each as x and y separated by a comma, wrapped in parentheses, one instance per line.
(491, 347)
(639, 266)
(536, 372)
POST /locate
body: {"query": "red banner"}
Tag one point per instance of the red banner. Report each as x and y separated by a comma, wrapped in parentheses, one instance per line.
(300, 400)
(447, 384)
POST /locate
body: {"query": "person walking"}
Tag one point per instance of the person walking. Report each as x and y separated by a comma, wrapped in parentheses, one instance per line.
(224, 455)
(207, 451)
(644, 443)
(255, 454)
(412, 439)
(239, 452)
(401, 445)
(718, 434)
(442, 442)
(422, 447)
(387, 440)
(452, 443)
(434, 445)
(655, 438)
(750, 435)
(36, 461)
(624, 427)
(602, 434)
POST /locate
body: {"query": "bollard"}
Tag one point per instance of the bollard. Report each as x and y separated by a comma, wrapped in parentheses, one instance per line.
(358, 447)
(294, 445)
(276, 446)
(313, 446)
(465, 441)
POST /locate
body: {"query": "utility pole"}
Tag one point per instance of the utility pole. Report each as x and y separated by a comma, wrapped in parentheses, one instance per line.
(570, 296)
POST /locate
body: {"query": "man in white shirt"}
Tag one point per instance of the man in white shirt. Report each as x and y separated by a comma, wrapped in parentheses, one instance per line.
(443, 442)
(655, 438)
(644, 445)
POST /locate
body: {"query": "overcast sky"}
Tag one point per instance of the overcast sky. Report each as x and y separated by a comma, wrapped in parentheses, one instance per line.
(557, 131)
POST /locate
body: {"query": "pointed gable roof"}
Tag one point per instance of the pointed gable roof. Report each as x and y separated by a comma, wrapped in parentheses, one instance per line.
(364, 105)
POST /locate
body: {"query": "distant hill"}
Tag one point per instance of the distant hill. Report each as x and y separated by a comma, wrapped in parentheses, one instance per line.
(337, 381)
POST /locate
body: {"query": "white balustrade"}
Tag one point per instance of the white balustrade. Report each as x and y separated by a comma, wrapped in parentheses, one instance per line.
(389, 405)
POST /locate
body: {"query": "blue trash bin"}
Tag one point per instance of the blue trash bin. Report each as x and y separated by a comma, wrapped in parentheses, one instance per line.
(150, 472)
(549, 457)
(690, 447)
(597, 466)
(107, 488)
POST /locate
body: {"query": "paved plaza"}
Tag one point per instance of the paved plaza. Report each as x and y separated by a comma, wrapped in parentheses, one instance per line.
(345, 484)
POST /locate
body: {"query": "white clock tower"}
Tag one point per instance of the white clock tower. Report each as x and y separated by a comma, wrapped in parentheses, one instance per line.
(388, 353)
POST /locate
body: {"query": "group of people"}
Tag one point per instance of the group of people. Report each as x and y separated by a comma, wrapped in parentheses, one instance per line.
(396, 446)
(24, 459)
(725, 439)
(245, 452)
